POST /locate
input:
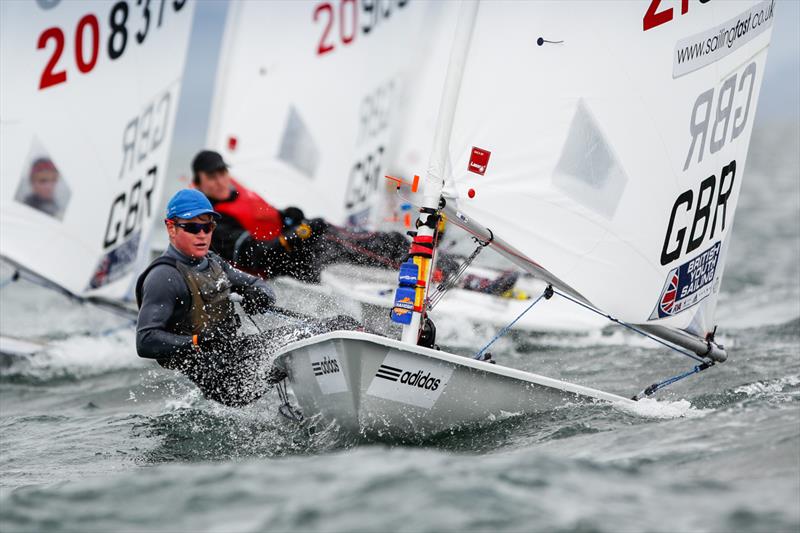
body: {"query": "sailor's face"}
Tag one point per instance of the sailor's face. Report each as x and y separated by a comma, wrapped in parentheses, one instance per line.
(216, 185)
(191, 244)
(43, 184)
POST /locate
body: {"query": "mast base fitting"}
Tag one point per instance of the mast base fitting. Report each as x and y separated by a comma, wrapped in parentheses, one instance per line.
(427, 334)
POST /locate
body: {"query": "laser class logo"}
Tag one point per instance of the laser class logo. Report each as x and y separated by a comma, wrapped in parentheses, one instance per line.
(326, 366)
(478, 160)
(688, 284)
(416, 379)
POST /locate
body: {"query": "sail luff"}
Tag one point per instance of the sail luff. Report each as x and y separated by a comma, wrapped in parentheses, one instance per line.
(434, 178)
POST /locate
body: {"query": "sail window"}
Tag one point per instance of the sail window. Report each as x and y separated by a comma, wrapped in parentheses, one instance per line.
(41, 186)
(587, 170)
(298, 148)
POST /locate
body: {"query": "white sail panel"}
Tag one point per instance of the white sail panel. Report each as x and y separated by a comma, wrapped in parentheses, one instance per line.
(600, 161)
(305, 96)
(87, 106)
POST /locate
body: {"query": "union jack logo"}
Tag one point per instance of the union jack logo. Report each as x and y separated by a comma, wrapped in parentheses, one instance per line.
(668, 300)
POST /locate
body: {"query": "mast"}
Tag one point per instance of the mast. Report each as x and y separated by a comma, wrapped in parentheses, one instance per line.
(434, 179)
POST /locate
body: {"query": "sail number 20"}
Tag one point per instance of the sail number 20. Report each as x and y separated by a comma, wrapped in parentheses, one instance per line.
(346, 19)
(87, 38)
(656, 15)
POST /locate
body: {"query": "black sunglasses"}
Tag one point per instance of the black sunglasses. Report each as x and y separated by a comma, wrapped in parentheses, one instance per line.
(196, 227)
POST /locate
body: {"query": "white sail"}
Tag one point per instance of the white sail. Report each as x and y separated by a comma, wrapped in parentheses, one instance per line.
(613, 157)
(88, 94)
(305, 96)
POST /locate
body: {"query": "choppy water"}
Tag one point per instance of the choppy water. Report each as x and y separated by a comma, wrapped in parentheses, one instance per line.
(93, 439)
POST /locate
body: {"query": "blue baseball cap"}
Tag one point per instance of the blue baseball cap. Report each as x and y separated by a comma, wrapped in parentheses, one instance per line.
(189, 203)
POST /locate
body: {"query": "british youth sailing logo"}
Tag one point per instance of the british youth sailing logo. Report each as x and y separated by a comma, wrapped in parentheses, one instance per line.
(688, 284)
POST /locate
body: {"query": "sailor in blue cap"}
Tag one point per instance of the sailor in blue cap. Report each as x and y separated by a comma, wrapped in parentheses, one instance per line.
(187, 320)
(186, 316)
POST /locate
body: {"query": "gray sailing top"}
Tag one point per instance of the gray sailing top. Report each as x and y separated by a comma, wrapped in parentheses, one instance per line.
(166, 300)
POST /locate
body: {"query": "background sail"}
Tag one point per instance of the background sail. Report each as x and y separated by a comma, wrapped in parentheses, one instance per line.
(305, 96)
(608, 158)
(87, 105)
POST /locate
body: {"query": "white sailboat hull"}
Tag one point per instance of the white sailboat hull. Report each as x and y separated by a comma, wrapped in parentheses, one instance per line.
(376, 387)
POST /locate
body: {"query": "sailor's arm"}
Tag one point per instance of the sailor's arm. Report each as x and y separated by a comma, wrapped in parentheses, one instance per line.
(258, 295)
(161, 293)
(231, 241)
(234, 243)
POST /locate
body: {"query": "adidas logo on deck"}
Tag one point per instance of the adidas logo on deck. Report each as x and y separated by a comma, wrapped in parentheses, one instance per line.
(326, 366)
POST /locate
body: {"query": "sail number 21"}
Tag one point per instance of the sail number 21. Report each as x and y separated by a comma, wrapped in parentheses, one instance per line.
(87, 38)
(656, 16)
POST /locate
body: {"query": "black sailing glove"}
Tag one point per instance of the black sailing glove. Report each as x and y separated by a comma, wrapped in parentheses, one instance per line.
(292, 216)
(205, 343)
(257, 298)
(294, 238)
(318, 226)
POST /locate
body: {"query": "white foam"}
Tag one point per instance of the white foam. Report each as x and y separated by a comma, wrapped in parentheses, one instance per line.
(760, 388)
(661, 409)
(88, 353)
(184, 402)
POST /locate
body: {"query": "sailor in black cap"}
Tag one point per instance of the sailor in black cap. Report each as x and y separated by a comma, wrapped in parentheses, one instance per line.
(258, 237)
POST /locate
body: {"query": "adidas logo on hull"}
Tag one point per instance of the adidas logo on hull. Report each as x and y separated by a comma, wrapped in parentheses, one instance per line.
(415, 379)
(326, 366)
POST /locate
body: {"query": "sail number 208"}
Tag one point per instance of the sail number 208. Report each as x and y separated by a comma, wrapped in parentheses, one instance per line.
(87, 37)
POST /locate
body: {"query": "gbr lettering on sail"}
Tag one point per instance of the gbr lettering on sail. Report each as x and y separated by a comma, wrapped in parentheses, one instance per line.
(719, 117)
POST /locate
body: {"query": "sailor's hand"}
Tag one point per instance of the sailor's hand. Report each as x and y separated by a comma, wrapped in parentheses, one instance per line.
(203, 343)
(292, 216)
(258, 298)
(293, 238)
(318, 226)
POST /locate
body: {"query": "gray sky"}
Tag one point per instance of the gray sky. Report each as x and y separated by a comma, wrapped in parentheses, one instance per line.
(780, 94)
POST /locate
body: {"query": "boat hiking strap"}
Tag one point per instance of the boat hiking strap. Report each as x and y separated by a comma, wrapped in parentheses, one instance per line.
(451, 280)
(547, 294)
(632, 328)
(652, 389)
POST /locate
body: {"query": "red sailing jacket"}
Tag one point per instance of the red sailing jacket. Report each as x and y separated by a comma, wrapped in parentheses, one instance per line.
(263, 221)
